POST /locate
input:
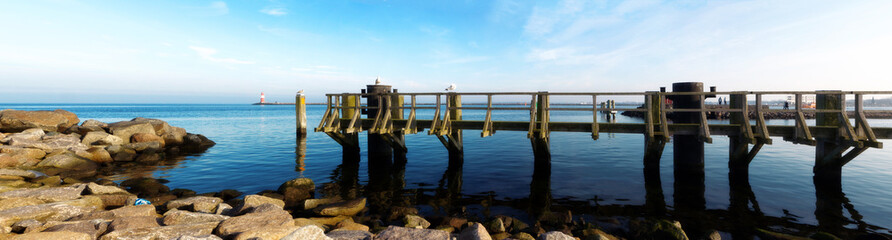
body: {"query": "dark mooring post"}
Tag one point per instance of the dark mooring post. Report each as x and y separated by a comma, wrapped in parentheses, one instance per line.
(455, 143)
(828, 152)
(738, 163)
(688, 160)
(379, 149)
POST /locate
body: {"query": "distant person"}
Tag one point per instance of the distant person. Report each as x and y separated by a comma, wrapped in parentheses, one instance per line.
(786, 105)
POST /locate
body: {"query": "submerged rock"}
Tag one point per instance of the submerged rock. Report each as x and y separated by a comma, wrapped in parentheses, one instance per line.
(348, 208)
(297, 190)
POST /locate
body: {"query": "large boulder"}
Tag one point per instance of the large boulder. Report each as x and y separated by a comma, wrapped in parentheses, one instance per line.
(146, 137)
(348, 208)
(15, 202)
(31, 153)
(414, 221)
(125, 223)
(53, 235)
(126, 129)
(309, 232)
(96, 154)
(101, 138)
(297, 190)
(41, 212)
(69, 161)
(92, 227)
(165, 232)
(161, 127)
(201, 204)
(175, 136)
(28, 135)
(176, 217)
(262, 232)
(235, 225)
(475, 231)
(397, 233)
(50, 121)
(45, 194)
(254, 201)
(127, 211)
(71, 142)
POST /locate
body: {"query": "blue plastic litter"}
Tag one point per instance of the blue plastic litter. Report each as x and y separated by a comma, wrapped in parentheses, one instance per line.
(140, 201)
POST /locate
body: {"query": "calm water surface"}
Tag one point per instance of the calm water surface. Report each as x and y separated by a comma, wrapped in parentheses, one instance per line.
(256, 151)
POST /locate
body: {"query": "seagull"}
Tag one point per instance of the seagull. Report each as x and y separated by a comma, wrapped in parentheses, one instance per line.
(451, 87)
(301, 91)
(378, 80)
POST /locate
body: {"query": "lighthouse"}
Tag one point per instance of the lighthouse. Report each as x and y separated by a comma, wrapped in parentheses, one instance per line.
(262, 98)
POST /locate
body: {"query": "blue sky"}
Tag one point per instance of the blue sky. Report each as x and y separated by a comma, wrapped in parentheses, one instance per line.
(230, 51)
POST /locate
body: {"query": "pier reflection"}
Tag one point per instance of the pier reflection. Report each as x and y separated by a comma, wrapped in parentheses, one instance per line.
(300, 153)
(540, 187)
(829, 205)
(744, 219)
(448, 192)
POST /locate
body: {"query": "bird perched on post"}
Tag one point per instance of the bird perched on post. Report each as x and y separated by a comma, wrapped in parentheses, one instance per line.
(451, 87)
(300, 91)
(378, 80)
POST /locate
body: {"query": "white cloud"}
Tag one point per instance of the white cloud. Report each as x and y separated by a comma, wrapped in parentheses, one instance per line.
(207, 54)
(275, 11)
(219, 8)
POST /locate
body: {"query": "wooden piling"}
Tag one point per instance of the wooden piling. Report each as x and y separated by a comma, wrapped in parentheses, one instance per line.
(738, 162)
(300, 111)
(828, 151)
(456, 147)
(687, 149)
(378, 147)
(348, 110)
(398, 136)
(541, 148)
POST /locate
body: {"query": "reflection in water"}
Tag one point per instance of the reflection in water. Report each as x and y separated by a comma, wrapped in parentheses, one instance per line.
(829, 208)
(743, 219)
(540, 187)
(449, 189)
(690, 186)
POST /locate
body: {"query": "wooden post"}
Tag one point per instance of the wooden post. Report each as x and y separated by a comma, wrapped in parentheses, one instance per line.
(739, 146)
(300, 111)
(540, 139)
(690, 186)
(396, 113)
(828, 152)
(351, 140)
(653, 145)
(378, 147)
(456, 151)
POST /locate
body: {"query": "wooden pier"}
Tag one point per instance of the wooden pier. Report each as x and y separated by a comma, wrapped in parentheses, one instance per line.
(838, 139)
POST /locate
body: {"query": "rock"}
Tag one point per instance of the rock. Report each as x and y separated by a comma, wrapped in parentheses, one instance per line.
(15, 202)
(8, 161)
(126, 129)
(348, 225)
(224, 209)
(24, 225)
(202, 237)
(165, 232)
(94, 123)
(266, 207)
(348, 208)
(765, 234)
(400, 212)
(523, 236)
(146, 137)
(415, 221)
(349, 235)
(235, 225)
(657, 229)
(41, 212)
(63, 142)
(555, 235)
(174, 137)
(197, 141)
(117, 200)
(125, 223)
(496, 225)
(45, 194)
(297, 190)
(398, 233)
(101, 138)
(512, 224)
(475, 231)
(28, 135)
(85, 201)
(253, 201)
(96, 154)
(93, 228)
(160, 126)
(53, 235)
(182, 193)
(329, 221)
(145, 187)
(68, 161)
(266, 233)
(31, 153)
(126, 211)
(197, 204)
(149, 156)
(715, 235)
(176, 217)
(594, 233)
(50, 121)
(455, 222)
(93, 188)
(228, 194)
(315, 202)
(300, 222)
(309, 232)
(50, 181)
(145, 146)
(18, 172)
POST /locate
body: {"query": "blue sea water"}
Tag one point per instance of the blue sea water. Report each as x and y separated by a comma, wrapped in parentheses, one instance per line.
(256, 150)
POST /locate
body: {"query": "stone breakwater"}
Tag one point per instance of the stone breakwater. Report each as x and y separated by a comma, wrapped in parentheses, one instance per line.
(53, 143)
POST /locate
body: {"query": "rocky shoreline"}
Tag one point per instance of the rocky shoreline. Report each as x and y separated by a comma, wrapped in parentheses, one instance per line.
(49, 190)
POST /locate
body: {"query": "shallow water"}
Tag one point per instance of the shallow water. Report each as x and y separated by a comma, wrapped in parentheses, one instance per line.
(256, 151)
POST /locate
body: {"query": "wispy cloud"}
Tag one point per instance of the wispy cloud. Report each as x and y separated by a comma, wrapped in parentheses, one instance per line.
(275, 11)
(208, 54)
(219, 8)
